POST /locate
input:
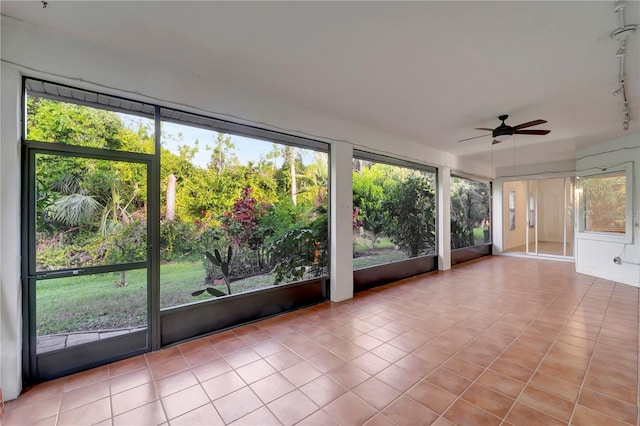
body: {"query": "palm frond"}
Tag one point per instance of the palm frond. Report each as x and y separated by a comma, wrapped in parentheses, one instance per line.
(68, 185)
(75, 209)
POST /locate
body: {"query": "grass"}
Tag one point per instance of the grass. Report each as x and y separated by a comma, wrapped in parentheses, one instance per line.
(91, 302)
(378, 259)
(94, 302)
(478, 235)
(362, 244)
(179, 279)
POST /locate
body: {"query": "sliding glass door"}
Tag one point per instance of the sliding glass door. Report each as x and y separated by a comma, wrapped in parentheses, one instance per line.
(538, 216)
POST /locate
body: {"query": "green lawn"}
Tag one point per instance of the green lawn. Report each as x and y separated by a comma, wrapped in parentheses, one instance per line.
(94, 302)
(379, 258)
(362, 244)
(478, 235)
(91, 302)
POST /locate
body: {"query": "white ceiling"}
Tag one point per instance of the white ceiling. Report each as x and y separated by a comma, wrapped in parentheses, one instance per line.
(424, 71)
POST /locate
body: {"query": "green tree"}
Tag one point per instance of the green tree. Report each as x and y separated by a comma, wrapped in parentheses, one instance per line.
(222, 155)
(127, 243)
(411, 207)
(368, 197)
(84, 203)
(468, 210)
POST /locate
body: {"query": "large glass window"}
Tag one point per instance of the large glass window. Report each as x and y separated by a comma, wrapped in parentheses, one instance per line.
(605, 203)
(238, 214)
(394, 213)
(89, 212)
(470, 212)
(50, 120)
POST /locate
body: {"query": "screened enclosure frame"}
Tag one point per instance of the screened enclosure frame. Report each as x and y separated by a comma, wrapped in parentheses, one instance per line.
(300, 294)
(44, 366)
(464, 254)
(376, 275)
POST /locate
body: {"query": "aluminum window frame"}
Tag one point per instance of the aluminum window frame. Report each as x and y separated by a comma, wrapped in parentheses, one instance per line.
(580, 232)
(37, 87)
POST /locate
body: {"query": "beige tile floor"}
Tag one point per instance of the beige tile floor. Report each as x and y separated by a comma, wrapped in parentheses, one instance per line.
(497, 341)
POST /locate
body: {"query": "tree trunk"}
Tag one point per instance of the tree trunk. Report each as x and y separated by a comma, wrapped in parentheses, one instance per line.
(294, 187)
(123, 279)
(171, 197)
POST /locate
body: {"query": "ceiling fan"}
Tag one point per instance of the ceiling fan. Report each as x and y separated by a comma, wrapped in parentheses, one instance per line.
(503, 131)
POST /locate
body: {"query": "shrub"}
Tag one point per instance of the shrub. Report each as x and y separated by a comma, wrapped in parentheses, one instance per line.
(411, 205)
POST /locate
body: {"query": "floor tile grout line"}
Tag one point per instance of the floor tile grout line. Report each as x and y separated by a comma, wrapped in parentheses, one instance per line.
(380, 411)
(441, 415)
(495, 358)
(59, 411)
(438, 366)
(248, 385)
(155, 387)
(573, 411)
(535, 370)
(200, 383)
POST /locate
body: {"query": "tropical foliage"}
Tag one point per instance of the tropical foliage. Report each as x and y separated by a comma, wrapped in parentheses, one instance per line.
(470, 212)
(393, 205)
(603, 201)
(93, 212)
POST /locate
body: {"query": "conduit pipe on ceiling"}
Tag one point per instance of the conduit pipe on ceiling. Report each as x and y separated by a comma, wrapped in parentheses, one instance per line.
(621, 33)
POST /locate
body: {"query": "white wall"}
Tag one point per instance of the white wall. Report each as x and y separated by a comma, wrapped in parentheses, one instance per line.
(10, 294)
(595, 256)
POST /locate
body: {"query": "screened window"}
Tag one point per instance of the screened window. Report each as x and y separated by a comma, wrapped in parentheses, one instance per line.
(237, 213)
(470, 212)
(603, 203)
(394, 212)
(57, 114)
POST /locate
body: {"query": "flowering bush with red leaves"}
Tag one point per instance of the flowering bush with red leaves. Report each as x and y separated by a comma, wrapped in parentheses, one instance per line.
(242, 223)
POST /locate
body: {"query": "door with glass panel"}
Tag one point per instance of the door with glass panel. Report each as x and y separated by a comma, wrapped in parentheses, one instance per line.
(88, 267)
(550, 217)
(531, 217)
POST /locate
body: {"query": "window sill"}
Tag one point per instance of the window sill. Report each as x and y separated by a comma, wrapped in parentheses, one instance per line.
(602, 236)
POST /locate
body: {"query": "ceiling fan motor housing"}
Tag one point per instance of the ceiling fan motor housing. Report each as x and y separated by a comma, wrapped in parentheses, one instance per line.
(503, 129)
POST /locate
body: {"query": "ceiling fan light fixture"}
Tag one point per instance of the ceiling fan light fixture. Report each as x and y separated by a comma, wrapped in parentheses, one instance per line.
(502, 138)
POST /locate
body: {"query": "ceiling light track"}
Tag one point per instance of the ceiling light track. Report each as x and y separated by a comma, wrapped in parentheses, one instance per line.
(620, 34)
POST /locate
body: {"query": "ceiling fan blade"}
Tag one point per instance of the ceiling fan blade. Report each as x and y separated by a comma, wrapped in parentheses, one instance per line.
(475, 137)
(532, 132)
(495, 141)
(529, 124)
(484, 128)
